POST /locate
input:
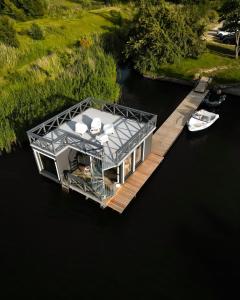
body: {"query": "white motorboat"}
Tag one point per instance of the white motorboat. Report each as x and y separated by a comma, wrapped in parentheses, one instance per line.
(201, 119)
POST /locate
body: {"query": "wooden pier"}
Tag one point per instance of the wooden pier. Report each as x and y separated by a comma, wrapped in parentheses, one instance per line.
(163, 139)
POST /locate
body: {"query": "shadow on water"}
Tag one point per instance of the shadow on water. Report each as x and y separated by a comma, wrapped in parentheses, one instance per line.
(177, 240)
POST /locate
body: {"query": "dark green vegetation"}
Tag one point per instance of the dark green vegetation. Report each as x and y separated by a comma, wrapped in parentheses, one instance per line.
(36, 32)
(163, 34)
(21, 9)
(7, 32)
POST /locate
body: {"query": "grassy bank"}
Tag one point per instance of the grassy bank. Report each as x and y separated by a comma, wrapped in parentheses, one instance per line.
(218, 62)
(69, 64)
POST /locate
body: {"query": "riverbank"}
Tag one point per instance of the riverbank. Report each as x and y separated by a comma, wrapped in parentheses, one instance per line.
(217, 62)
(230, 89)
(70, 63)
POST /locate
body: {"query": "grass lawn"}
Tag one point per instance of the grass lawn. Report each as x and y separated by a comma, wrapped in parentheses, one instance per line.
(218, 62)
(61, 31)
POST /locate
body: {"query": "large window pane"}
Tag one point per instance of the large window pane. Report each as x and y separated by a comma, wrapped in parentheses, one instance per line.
(128, 165)
(138, 155)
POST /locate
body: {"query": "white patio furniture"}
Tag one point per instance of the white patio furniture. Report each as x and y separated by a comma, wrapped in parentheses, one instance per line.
(108, 129)
(96, 126)
(81, 128)
(103, 138)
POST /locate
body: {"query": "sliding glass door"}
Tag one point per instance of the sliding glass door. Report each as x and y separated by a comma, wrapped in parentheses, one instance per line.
(138, 155)
(128, 166)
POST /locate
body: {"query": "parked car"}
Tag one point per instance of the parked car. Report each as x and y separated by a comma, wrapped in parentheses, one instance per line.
(229, 39)
(222, 34)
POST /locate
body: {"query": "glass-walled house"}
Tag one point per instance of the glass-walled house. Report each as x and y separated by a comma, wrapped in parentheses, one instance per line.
(93, 148)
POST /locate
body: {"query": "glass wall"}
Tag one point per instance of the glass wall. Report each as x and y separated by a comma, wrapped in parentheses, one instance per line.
(138, 155)
(128, 166)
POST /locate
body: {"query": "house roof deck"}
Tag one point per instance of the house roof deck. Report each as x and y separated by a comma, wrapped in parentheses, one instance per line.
(130, 127)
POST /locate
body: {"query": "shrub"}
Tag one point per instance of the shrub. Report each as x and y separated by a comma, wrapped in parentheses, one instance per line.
(7, 7)
(33, 8)
(36, 32)
(20, 8)
(8, 32)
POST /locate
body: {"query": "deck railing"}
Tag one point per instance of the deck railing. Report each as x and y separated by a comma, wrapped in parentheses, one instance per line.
(49, 137)
(98, 190)
(147, 120)
(42, 135)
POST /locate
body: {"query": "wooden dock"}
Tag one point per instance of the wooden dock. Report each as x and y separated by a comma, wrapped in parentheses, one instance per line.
(163, 139)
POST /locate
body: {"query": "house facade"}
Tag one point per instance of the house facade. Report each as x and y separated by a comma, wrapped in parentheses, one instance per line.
(96, 161)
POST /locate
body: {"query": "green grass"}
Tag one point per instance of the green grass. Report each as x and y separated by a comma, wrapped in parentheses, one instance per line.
(218, 62)
(32, 75)
(61, 32)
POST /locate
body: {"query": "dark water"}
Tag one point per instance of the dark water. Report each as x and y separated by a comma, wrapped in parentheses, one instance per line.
(177, 240)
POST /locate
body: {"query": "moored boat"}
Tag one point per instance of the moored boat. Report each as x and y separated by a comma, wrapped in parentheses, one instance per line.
(214, 99)
(201, 119)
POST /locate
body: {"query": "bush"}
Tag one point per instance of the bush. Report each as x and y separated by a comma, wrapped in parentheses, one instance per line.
(36, 32)
(7, 7)
(8, 32)
(19, 9)
(33, 8)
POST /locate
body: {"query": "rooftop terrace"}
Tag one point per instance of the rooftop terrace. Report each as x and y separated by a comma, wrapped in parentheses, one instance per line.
(130, 127)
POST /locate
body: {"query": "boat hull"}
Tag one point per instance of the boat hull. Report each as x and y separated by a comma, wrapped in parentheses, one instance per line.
(196, 125)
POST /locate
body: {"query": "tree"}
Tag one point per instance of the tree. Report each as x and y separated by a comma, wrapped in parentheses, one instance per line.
(231, 16)
(161, 34)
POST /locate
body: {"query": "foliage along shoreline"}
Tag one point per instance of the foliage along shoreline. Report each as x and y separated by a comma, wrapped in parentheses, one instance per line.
(53, 83)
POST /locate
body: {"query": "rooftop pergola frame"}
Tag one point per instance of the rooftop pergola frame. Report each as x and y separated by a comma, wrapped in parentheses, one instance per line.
(53, 144)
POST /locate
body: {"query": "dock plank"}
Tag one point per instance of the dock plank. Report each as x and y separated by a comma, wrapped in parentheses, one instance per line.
(163, 140)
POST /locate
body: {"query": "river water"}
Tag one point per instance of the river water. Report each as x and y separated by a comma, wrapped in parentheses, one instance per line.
(177, 240)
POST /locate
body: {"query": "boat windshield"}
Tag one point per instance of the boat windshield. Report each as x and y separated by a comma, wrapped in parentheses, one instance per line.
(202, 118)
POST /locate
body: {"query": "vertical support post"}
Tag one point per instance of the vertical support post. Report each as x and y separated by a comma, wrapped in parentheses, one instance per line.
(58, 174)
(118, 174)
(123, 172)
(143, 150)
(38, 160)
(134, 161)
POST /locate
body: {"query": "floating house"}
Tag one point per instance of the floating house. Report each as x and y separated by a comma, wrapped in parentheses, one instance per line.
(92, 148)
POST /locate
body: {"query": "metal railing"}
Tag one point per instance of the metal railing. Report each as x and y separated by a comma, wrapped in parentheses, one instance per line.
(148, 121)
(49, 137)
(96, 189)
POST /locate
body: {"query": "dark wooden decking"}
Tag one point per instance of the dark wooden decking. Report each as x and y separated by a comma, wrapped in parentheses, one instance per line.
(163, 139)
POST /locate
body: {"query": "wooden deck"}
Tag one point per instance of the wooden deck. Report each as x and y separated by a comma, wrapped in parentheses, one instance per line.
(163, 139)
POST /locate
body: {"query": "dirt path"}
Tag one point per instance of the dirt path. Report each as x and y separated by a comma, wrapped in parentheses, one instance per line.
(211, 34)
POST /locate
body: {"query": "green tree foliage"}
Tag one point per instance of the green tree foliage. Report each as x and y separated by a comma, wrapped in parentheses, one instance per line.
(231, 15)
(7, 32)
(161, 34)
(36, 32)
